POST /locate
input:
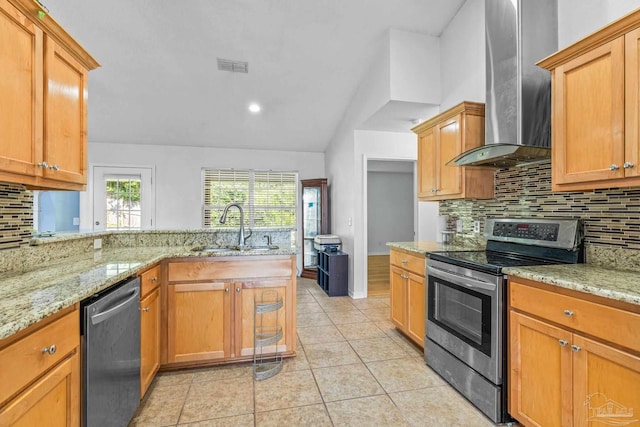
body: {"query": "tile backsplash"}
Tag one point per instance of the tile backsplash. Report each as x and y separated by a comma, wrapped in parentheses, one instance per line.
(16, 215)
(611, 217)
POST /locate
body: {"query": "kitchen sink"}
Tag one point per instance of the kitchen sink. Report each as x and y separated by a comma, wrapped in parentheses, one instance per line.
(231, 248)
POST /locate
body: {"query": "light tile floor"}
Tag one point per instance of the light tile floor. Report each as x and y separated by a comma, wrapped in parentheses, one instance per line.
(353, 369)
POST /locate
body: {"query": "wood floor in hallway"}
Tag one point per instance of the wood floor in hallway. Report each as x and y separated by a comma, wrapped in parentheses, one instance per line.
(378, 275)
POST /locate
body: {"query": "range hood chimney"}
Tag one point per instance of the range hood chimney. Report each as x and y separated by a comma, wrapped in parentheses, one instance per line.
(518, 102)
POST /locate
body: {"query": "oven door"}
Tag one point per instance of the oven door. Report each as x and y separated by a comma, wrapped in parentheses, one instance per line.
(464, 316)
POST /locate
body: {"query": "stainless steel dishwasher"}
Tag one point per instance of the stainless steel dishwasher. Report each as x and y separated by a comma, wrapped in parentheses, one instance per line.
(110, 332)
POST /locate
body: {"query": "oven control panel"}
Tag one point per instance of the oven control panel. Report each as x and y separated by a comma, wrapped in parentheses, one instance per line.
(527, 230)
(556, 233)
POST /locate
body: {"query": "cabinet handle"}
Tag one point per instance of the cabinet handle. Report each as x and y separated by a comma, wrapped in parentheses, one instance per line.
(575, 348)
(404, 262)
(146, 309)
(238, 290)
(51, 350)
(54, 167)
(42, 164)
(628, 165)
(563, 343)
(154, 279)
(614, 167)
(404, 276)
(568, 313)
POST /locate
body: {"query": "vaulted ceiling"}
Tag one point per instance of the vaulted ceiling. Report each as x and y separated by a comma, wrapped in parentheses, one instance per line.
(159, 82)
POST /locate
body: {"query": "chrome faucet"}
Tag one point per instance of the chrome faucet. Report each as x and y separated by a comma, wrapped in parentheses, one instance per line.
(223, 219)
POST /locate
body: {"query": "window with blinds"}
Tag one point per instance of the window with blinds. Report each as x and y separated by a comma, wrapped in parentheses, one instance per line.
(268, 198)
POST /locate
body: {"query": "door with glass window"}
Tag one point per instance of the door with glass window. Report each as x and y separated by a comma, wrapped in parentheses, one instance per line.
(123, 198)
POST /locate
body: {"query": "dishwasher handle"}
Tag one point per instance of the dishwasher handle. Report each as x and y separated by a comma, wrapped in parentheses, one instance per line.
(109, 313)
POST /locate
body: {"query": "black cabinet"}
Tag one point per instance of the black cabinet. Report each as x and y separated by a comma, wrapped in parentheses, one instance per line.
(333, 273)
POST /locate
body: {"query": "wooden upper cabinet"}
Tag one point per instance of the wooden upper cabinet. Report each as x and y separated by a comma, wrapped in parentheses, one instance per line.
(20, 126)
(426, 156)
(595, 108)
(65, 106)
(43, 97)
(442, 138)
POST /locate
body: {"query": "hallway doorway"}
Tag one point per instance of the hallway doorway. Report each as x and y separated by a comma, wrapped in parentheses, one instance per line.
(390, 216)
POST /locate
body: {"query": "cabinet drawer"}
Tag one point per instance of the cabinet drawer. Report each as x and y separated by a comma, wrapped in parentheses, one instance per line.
(229, 270)
(598, 320)
(24, 360)
(149, 280)
(413, 263)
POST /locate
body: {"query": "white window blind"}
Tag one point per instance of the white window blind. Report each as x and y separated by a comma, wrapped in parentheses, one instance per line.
(268, 198)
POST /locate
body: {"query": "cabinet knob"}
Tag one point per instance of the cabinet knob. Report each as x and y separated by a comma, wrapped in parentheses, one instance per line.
(628, 165)
(54, 167)
(575, 348)
(404, 262)
(51, 350)
(42, 164)
(563, 343)
(238, 290)
(568, 313)
(226, 290)
(154, 279)
(614, 167)
(146, 309)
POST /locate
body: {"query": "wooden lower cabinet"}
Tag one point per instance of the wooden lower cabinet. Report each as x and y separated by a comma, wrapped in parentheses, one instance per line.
(210, 306)
(54, 400)
(39, 388)
(199, 319)
(149, 339)
(560, 377)
(408, 294)
(244, 315)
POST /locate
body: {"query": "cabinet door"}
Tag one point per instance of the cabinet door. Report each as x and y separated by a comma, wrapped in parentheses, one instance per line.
(588, 116)
(398, 297)
(65, 106)
(449, 138)
(606, 384)
(199, 319)
(247, 294)
(539, 372)
(53, 400)
(427, 164)
(632, 104)
(415, 308)
(20, 92)
(149, 339)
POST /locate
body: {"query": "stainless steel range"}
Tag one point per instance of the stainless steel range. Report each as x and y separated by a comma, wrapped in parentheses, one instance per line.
(466, 304)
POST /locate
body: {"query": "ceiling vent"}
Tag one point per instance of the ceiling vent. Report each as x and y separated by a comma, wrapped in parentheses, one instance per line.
(233, 66)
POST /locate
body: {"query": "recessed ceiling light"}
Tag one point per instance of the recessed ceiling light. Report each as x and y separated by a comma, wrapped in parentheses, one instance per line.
(254, 108)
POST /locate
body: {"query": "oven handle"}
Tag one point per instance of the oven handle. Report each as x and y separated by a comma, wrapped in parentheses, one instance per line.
(460, 279)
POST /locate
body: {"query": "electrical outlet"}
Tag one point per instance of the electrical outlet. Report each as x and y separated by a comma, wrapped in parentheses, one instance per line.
(459, 226)
(476, 226)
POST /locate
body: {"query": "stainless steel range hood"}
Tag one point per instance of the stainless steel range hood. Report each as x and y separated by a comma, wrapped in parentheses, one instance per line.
(518, 105)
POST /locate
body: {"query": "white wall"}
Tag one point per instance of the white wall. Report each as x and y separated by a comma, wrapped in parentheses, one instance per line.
(390, 210)
(463, 56)
(414, 67)
(373, 145)
(178, 180)
(579, 18)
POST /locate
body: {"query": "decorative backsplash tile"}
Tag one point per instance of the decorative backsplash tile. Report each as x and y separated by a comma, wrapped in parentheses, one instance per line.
(16, 215)
(611, 216)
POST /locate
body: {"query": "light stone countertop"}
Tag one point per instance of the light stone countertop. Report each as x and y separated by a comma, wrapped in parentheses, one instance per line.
(28, 297)
(605, 282)
(425, 247)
